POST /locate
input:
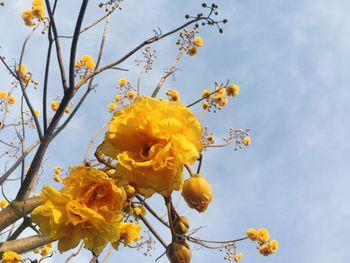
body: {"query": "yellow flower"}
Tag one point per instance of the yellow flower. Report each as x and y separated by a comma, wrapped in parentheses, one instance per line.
(232, 90)
(36, 250)
(197, 192)
(264, 250)
(50, 245)
(78, 64)
(36, 112)
(223, 101)
(45, 251)
(38, 3)
(118, 98)
(206, 93)
(123, 81)
(55, 105)
(192, 51)
(262, 235)
(57, 178)
(198, 41)
(67, 110)
(220, 91)
(27, 17)
(129, 232)
(137, 211)
(87, 208)
(273, 246)
(129, 190)
(152, 139)
(112, 106)
(205, 105)
(3, 94)
(173, 94)
(131, 95)
(237, 257)
(247, 141)
(88, 62)
(11, 100)
(57, 169)
(22, 71)
(38, 12)
(251, 233)
(3, 203)
(11, 257)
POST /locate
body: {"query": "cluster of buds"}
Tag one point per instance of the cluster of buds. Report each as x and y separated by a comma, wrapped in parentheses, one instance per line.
(56, 104)
(56, 175)
(126, 91)
(149, 57)
(25, 75)
(111, 5)
(189, 42)
(266, 246)
(4, 97)
(37, 12)
(218, 98)
(84, 65)
(11, 257)
(44, 251)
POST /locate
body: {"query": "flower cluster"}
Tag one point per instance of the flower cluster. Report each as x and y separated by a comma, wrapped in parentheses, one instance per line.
(86, 62)
(197, 42)
(217, 98)
(37, 12)
(262, 236)
(152, 139)
(56, 175)
(5, 97)
(24, 74)
(87, 208)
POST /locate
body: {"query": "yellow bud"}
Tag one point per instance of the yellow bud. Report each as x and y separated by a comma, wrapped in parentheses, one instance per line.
(179, 252)
(182, 225)
(197, 192)
(129, 190)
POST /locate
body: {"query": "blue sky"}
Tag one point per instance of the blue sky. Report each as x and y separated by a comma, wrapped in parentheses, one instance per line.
(291, 60)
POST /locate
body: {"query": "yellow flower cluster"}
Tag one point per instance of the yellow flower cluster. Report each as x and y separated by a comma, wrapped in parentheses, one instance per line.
(87, 208)
(37, 12)
(3, 203)
(197, 42)
(218, 98)
(23, 73)
(152, 139)
(10, 99)
(85, 62)
(56, 175)
(173, 95)
(262, 236)
(11, 257)
(129, 232)
(237, 257)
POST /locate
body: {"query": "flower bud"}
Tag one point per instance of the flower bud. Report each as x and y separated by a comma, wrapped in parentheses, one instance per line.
(179, 252)
(197, 192)
(181, 225)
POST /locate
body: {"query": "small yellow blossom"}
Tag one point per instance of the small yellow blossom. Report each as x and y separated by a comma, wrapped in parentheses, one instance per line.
(57, 178)
(273, 246)
(11, 100)
(198, 41)
(137, 211)
(38, 3)
(67, 110)
(262, 235)
(173, 95)
(205, 105)
(27, 168)
(237, 257)
(3, 203)
(36, 250)
(232, 90)
(55, 105)
(57, 169)
(118, 98)
(251, 233)
(247, 141)
(223, 101)
(36, 112)
(38, 12)
(11, 257)
(220, 90)
(3, 94)
(112, 106)
(88, 61)
(27, 17)
(131, 95)
(50, 245)
(192, 51)
(45, 251)
(206, 93)
(123, 81)
(129, 232)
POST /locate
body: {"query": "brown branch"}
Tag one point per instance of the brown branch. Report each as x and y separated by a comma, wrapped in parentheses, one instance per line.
(16, 210)
(25, 244)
